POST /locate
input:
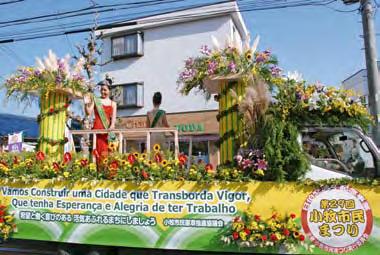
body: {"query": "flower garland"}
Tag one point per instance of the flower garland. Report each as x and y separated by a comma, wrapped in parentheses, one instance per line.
(224, 113)
(52, 142)
(340, 181)
(7, 226)
(138, 167)
(254, 231)
(53, 111)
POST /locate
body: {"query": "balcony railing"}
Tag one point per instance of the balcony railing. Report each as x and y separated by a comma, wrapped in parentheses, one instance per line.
(125, 134)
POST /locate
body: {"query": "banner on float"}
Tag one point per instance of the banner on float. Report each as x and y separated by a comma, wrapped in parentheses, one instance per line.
(15, 142)
(191, 216)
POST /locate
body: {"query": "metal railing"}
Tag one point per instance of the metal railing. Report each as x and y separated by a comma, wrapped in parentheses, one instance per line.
(124, 134)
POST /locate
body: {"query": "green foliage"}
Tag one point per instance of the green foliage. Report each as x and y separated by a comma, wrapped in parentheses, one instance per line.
(285, 157)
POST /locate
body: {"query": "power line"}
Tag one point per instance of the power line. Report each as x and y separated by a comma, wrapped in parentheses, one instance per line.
(53, 27)
(80, 12)
(11, 2)
(246, 7)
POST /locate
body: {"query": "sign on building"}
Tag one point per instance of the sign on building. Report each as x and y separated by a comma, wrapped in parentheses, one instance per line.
(15, 142)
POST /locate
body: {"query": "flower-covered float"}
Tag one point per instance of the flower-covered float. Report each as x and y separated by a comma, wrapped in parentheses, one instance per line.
(254, 201)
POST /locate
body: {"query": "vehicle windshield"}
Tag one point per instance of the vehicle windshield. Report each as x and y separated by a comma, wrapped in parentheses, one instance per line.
(343, 152)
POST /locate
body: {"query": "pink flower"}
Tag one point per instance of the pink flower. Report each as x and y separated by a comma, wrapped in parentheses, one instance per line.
(232, 67)
(262, 164)
(247, 163)
(239, 159)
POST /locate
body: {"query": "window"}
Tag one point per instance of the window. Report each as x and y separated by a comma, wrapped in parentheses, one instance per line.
(353, 152)
(129, 95)
(130, 45)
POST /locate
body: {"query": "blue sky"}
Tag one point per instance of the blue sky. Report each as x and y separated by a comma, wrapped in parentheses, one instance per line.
(323, 44)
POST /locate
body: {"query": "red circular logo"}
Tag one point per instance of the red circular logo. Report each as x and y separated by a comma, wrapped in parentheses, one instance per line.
(337, 219)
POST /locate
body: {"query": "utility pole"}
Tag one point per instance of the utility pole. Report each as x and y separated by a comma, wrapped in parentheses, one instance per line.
(369, 35)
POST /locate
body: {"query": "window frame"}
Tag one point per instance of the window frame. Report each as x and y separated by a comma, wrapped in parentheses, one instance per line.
(139, 42)
(131, 106)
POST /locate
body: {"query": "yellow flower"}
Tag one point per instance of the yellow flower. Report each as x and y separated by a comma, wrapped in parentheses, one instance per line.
(164, 163)
(156, 147)
(92, 167)
(112, 146)
(136, 154)
(237, 226)
(124, 162)
(168, 168)
(66, 174)
(8, 218)
(279, 236)
(77, 162)
(4, 168)
(28, 161)
(105, 161)
(243, 235)
(154, 166)
(259, 172)
(144, 155)
(248, 55)
(253, 225)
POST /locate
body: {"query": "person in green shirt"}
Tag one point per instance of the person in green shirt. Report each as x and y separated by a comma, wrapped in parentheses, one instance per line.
(156, 118)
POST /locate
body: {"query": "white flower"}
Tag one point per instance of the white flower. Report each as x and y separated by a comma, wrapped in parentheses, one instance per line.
(40, 65)
(296, 76)
(247, 42)
(66, 65)
(237, 43)
(79, 66)
(51, 62)
(215, 43)
(313, 101)
(228, 42)
(255, 44)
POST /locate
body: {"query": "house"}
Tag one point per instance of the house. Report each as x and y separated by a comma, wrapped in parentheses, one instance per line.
(147, 54)
(359, 83)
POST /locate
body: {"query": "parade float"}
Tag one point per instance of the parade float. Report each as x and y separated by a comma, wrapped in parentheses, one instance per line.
(256, 200)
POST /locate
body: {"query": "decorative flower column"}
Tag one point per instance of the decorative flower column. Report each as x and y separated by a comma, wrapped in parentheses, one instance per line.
(229, 121)
(52, 122)
(53, 81)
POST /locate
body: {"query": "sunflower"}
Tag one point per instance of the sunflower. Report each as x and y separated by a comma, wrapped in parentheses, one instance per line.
(248, 55)
(156, 147)
(105, 161)
(144, 155)
(124, 162)
(112, 146)
(136, 154)
(164, 163)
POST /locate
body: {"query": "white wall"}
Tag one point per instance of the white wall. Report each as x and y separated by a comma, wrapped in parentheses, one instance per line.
(165, 49)
(358, 83)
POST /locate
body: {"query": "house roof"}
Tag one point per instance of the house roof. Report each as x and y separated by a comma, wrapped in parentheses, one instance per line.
(193, 13)
(359, 73)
